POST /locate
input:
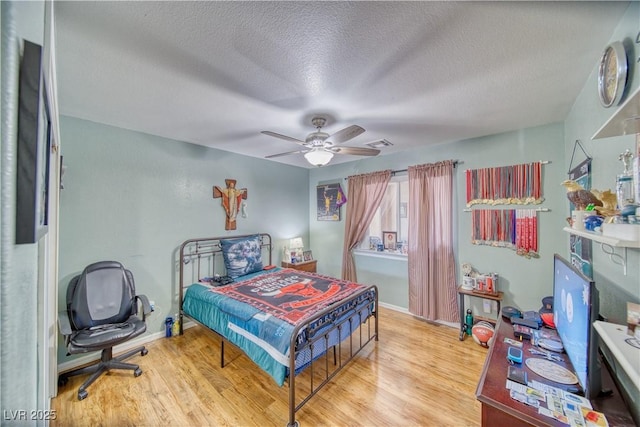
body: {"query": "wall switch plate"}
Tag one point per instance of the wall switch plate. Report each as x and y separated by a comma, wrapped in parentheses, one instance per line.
(486, 306)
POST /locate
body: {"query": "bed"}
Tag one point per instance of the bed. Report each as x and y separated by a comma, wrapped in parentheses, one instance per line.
(286, 321)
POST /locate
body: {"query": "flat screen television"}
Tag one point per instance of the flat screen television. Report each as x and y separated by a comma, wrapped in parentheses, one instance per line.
(575, 308)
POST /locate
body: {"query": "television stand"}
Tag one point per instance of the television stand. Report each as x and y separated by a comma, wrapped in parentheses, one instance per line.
(498, 408)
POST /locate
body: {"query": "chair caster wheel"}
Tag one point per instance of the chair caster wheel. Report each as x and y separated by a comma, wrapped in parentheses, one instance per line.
(62, 381)
(137, 372)
(144, 352)
(82, 394)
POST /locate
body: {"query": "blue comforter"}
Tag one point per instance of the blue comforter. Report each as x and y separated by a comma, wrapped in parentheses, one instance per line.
(263, 337)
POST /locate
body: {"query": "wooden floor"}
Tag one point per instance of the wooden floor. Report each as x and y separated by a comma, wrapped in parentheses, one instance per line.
(417, 374)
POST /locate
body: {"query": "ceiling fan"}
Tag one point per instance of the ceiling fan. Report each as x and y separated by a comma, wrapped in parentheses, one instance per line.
(319, 147)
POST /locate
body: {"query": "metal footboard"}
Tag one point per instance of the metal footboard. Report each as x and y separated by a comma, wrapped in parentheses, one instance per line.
(349, 332)
(365, 313)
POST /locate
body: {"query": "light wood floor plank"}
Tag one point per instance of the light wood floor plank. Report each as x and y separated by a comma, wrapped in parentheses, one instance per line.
(417, 374)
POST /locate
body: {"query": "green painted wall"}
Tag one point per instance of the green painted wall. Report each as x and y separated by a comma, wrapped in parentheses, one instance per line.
(586, 117)
(135, 198)
(524, 281)
(21, 385)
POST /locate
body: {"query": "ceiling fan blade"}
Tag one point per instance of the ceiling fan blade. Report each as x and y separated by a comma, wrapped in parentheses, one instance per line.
(277, 135)
(356, 151)
(286, 154)
(346, 134)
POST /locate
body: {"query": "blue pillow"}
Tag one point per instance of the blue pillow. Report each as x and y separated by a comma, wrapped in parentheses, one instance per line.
(242, 256)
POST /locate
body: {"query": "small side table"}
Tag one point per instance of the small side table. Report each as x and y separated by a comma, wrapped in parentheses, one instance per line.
(308, 266)
(493, 297)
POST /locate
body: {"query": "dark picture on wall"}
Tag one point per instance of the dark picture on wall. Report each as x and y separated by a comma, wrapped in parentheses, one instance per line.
(580, 247)
(34, 140)
(330, 197)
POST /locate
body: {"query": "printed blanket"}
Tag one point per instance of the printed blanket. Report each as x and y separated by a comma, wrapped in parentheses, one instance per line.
(288, 294)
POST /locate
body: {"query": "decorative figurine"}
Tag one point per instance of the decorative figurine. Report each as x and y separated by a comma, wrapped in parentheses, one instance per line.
(624, 181)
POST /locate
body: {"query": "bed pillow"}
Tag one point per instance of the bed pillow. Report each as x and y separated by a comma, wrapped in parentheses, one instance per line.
(242, 256)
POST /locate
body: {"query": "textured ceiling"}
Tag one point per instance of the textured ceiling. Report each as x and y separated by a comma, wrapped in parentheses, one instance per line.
(414, 73)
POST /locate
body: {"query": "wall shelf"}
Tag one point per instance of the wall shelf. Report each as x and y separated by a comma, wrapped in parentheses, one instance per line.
(625, 121)
(608, 245)
(607, 240)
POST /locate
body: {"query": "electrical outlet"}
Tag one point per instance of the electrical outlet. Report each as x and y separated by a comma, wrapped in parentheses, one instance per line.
(486, 306)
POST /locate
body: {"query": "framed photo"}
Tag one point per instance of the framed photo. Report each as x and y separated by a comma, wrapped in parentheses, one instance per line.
(329, 199)
(390, 239)
(34, 145)
(307, 255)
(374, 241)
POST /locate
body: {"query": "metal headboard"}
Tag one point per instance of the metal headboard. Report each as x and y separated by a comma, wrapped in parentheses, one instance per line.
(205, 257)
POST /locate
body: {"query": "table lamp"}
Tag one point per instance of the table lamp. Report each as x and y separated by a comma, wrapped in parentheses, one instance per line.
(296, 245)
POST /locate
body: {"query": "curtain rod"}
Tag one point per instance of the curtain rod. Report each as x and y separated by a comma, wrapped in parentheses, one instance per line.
(455, 163)
(395, 172)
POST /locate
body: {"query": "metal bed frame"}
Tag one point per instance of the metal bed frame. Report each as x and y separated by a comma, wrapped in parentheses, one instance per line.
(209, 250)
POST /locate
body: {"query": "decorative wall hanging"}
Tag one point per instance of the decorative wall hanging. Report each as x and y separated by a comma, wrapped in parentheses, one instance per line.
(505, 185)
(329, 199)
(231, 201)
(515, 229)
(580, 247)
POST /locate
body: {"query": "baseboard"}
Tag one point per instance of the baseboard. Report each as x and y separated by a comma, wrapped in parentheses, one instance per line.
(393, 307)
(129, 345)
(406, 311)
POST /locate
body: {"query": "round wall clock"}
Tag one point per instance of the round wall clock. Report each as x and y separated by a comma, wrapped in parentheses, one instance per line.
(612, 74)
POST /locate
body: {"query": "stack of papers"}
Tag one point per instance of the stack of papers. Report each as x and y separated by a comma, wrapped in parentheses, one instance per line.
(553, 402)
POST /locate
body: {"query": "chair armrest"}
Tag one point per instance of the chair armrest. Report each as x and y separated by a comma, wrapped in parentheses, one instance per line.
(146, 306)
(63, 323)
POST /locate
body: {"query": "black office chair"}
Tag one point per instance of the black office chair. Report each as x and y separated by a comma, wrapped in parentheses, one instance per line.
(102, 311)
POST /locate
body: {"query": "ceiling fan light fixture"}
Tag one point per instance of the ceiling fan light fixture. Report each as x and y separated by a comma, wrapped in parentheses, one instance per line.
(316, 139)
(318, 157)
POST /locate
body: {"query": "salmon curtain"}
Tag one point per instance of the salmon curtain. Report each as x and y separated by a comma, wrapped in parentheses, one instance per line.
(432, 279)
(365, 194)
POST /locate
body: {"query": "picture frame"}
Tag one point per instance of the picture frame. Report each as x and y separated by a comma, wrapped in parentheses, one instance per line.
(390, 240)
(329, 199)
(374, 241)
(34, 148)
(307, 255)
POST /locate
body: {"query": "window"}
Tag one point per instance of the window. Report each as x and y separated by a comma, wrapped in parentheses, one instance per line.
(391, 216)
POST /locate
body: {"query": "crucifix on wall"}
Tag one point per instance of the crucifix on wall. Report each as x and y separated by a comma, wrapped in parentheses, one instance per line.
(231, 200)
